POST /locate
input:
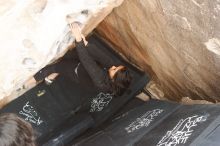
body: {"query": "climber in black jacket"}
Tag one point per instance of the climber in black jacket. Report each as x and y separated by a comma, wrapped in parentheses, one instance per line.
(91, 64)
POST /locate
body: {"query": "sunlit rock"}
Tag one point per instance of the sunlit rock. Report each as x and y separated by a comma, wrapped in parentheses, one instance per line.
(35, 32)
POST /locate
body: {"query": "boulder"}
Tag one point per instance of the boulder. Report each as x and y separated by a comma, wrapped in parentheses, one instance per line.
(34, 33)
(178, 42)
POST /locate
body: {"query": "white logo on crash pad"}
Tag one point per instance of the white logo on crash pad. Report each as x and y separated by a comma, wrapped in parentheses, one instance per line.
(30, 114)
(144, 120)
(100, 102)
(182, 131)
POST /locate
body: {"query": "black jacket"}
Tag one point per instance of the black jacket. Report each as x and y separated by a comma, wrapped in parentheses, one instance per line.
(94, 64)
(87, 65)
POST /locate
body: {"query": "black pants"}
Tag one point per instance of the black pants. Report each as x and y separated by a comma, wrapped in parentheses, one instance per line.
(65, 67)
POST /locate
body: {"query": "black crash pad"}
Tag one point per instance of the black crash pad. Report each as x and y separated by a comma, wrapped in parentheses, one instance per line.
(133, 103)
(169, 125)
(50, 107)
(130, 126)
(183, 126)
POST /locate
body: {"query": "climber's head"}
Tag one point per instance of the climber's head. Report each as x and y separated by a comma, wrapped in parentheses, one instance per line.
(121, 79)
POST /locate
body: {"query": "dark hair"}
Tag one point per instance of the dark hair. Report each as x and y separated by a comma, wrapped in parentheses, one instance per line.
(14, 131)
(121, 81)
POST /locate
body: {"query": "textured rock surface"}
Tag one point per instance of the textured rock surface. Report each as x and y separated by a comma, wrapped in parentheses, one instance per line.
(34, 32)
(178, 42)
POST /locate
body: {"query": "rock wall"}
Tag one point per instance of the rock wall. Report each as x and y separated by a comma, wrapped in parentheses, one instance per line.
(34, 33)
(178, 42)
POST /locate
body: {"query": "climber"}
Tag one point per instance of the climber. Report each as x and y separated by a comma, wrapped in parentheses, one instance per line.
(15, 131)
(104, 73)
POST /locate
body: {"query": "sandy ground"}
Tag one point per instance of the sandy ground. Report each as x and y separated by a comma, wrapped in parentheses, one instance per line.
(14, 95)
